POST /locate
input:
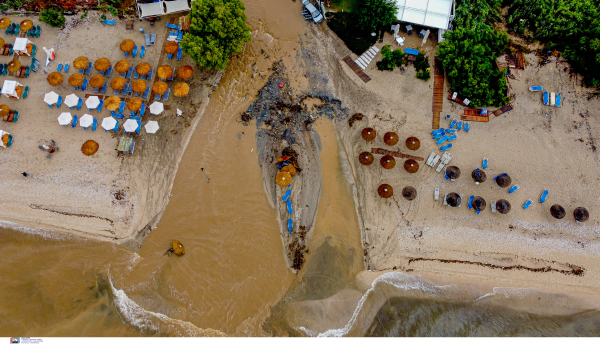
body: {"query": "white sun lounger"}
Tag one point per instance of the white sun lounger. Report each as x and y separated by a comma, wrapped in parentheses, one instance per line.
(440, 167)
(552, 98)
(436, 194)
(493, 206)
(462, 196)
(445, 202)
(446, 158)
(435, 160)
(430, 159)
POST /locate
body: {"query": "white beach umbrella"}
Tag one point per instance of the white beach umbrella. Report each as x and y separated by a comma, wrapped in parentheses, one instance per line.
(156, 108)
(108, 123)
(151, 127)
(51, 98)
(92, 102)
(87, 120)
(65, 118)
(130, 125)
(71, 100)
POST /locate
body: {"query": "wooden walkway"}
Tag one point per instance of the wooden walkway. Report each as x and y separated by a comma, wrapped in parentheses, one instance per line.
(356, 68)
(438, 93)
(396, 154)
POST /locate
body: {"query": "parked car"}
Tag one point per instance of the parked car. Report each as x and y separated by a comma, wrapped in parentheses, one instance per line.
(316, 15)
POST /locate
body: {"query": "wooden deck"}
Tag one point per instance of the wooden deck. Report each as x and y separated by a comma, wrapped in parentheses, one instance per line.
(356, 68)
(438, 93)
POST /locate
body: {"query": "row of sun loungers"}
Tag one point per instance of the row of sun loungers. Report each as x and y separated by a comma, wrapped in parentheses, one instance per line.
(365, 59)
(552, 99)
(435, 158)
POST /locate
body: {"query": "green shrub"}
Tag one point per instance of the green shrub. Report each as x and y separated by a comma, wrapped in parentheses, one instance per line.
(11, 4)
(373, 14)
(345, 25)
(422, 66)
(390, 59)
(54, 18)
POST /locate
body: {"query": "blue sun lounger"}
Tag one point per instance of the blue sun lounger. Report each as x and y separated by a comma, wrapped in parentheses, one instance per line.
(546, 98)
(145, 95)
(287, 195)
(179, 53)
(467, 127)
(66, 67)
(116, 115)
(133, 116)
(437, 131)
(59, 69)
(442, 140)
(128, 76)
(142, 51)
(166, 95)
(103, 89)
(485, 162)
(459, 126)
(438, 136)
(147, 37)
(85, 83)
(536, 88)
(94, 125)
(149, 76)
(543, 197)
(450, 131)
(109, 22)
(527, 204)
(453, 123)
(173, 26)
(79, 103)
(143, 109)
(100, 105)
(289, 206)
(134, 53)
(59, 102)
(122, 107)
(558, 99)
(88, 71)
(109, 71)
(116, 127)
(157, 97)
(446, 147)
(470, 204)
(136, 75)
(74, 123)
(290, 226)
(513, 188)
(452, 138)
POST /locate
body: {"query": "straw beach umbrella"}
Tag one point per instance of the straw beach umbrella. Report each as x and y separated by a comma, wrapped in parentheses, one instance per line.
(369, 134)
(26, 25)
(503, 206)
(112, 103)
(557, 211)
(388, 162)
(4, 23)
(453, 199)
(139, 86)
(89, 147)
(185, 72)
(478, 204)
(411, 166)
(122, 66)
(478, 176)
(4, 110)
(413, 143)
(76, 79)
(385, 190)
(283, 179)
(81, 62)
(160, 87)
(409, 193)
(127, 46)
(118, 83)
(14, 66)
(289, 169)
(134, 104)
(55, 79)
(143, 68)
(181, 90)
(178, 248)
(102, 64)
(97, 81)
(171, 47)
(503, 180)
(581, 214)
(390, 138)
(452, 172)
(165, 72)
(366, 158)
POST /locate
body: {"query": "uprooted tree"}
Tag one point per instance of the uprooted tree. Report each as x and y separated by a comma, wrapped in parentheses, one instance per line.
(217, 32)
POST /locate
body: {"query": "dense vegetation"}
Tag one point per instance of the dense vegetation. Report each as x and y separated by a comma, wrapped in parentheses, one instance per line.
(422, 66)
(390, 59)
(375, 14)
(53, 17)
(470, 50)
(218, 31)
(572, 26)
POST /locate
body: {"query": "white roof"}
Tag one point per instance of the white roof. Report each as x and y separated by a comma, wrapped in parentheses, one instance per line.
(431, 13)
(176, 6)
(151, 9)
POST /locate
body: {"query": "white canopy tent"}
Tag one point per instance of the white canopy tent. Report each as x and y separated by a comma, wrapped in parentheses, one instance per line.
(430, 13)
(9, 88)
(177, 6)
(162, 7)
(21, 45)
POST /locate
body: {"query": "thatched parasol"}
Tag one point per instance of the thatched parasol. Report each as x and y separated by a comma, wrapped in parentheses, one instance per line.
(14, 66)
(478, 204)
(97, 81)
(76, 79)
(478, 176)
(283, 179)
(139, 86)
(390, 138)
(55, 79)
(160, 87)
(112, 103)
(4, 110)
(453, 199)
(452, 172)
(134, 104)
(165, 72)
(369, 134)
(127, 46)
(181, 90)
(143, 68)
(171, 47)
(581, 214)
(102, 64)
(26, 25)
(413, 143)
(81, 62)
(118, 83)
(90, 147)
(503, 180)
(185, 72)
(366, 158)
(503, 206)
(411, 166)
(385, 190)
(557, 211)
(289, 169)
(388, 162)
(178, 248)
(122, 66)
(4, 23)
(409, 193)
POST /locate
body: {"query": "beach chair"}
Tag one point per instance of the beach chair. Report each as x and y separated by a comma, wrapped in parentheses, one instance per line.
(157, 97)
(100, 105)
(10, 49)
(493, 206)
(116, 127)
(470, 205)
(435, 160)
(96, 90)
(430, 159)
(467, 127)
(290, 226)
(79, 104)
(5, 69)
(436, 194)
(552, 98)
(453, 123)
(31, 32)
(169, 56)
(147, 37)
(35, 64)
(142, 51)
(440, 167)
(109, 71)
(145, 95)
(485, 163)
(94, 124)
(133, 116)
(545, 97)
(136, 75)
(1, 69)
(129, 72)
(527, 204)
(59, 69)
(17, 30)
(38, 31)
(452, 138)
(116, 115)
(60, 99)
(461, 197)
(442, 140)
(153, 39)
(88, 71)
(446, 147)
(129, 91)
(74, 123)
(535, 88)
(179, 53)
(137, 131)
(445, 202)
(171, 78)
(513, 188)
(135, 94)
(173, 26)
(117, 92)
(66, 67)
(101, 72)
(543, 197)
(149, 75)
(166, 95)
(289, 206)
(558, 99)
(287, 195)
(450, 131)
(459, 126)
(134, 53)
(25, 92)
(103, 89)
(109, 22)
(122, 107)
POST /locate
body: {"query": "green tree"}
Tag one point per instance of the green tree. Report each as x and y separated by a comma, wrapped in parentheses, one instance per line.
(373, 14)
(217, 32)
(52, 17)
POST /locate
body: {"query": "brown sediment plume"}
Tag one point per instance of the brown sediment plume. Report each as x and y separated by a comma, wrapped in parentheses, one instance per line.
(395, 154)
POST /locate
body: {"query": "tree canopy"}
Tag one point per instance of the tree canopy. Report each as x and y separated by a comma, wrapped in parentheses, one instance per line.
(373, 14)
(217, 32)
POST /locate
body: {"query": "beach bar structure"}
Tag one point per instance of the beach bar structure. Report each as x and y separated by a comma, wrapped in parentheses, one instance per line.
(156, 8)
(437, 14)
